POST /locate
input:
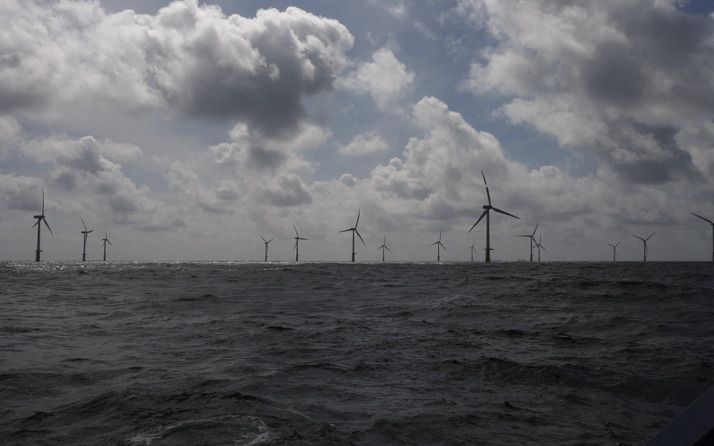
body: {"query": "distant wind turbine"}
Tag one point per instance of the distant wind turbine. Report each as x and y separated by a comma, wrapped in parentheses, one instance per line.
(267, 242)
(531, 238)
(487, 213)
(297, 244)
(439, 245)
(105, 242)
(540, 246)
(644, 241)
(473, 248)
(355, 231)
(41, 218)
(614, 250)
(711, 223)
(384, 247)
(85, 233)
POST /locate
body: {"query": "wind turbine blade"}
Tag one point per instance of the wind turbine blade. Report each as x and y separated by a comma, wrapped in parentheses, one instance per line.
(357, 222)
(43, 200)
(616, 244)
(505, 213)
(387, 248)
(296, 233)
(479, 219)
(535, 229)
(295, 245)
(90, 231)
(109, 242)
(36, 223)
(347, 230)
(48, 226)
(435, 243)
(303, 238)
(525, 235)
(484, 178)
(83, 223)
(264, 239)
(269, 241)
(543, 248)
(360, 237)
(703, 218)
(650, 236)
(635, 236)
(442, 245)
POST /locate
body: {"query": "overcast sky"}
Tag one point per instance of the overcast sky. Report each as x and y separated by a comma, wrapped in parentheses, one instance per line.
(192, 128)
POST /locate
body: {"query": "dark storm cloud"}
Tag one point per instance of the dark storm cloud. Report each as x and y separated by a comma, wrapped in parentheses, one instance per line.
(188, 57)
(264, 158)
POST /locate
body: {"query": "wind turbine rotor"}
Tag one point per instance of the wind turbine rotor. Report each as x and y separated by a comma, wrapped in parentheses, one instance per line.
(703, 218)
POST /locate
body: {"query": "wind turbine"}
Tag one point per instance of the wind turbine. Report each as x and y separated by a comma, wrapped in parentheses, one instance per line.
(105, 241)
(297, 244)
(41, 218)
(473, 248)
(355, 231)
(439, 245)
(644, 241)
(384, 247)
(711, 223)
(614, 250)
(540, 246)
(531, 236)
(85, 233)
(267, 242)
(487, 213)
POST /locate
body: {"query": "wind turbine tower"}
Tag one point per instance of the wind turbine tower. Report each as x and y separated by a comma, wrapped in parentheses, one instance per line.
(267, 242)
(105, 242)
(614, 250)
(40, 219)
(355, 231)
(711, 223)
(439, 245)
(473, 248)
(487, 213)
(85, 233)
(297, 244)
(644, 242)
(384, 247)
(540, 246)
(531, 237)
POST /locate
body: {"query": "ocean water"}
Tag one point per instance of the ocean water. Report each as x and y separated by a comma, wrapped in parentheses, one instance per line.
(339, 354)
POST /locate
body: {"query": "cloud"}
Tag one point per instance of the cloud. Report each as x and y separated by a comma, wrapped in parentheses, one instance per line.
(187, 57)
(364, 144)
(623, 80)
(385, 79)
(288, 190)
(21, 193)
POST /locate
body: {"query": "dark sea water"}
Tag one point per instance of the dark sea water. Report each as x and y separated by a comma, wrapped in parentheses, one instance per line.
(340, 354)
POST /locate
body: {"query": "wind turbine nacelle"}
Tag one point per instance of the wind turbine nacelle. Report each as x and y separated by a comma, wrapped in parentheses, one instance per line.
(485, 206)
(37, 216)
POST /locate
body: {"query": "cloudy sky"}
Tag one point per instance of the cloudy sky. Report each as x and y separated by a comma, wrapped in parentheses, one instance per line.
(191, 128)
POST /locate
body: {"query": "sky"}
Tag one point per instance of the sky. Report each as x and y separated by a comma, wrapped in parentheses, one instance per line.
(190, 129)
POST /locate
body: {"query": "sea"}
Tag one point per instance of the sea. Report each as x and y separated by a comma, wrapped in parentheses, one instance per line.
(242, 354)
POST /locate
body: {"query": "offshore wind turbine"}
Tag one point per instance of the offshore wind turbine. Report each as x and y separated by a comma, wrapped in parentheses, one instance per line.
(487, 213)
(711, 223)
(384, 247)
(41, 218)
(267, 242)
(85, 233)
(614, 250)
(105, 242)
(297, 244)
(644, 241)
(531, 236)
(540, 246)
(439, 245)
(355, 231)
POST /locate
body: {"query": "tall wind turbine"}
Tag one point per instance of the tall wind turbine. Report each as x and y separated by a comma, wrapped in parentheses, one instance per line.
(614, 250)
(267, 242)
(41, 218)
(85, 233)
(644, 241)
(384, 247)
(540, 246)
(297, 244)
(355, 231)
(487, 213)
(711, 223)
(439, 245)
(473, 248)
(105, 242)
(531, 236)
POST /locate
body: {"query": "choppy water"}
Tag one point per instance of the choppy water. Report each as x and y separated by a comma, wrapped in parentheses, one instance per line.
(366, 354)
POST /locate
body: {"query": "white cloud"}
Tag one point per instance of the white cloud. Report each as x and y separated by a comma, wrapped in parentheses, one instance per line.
(364, 144)
(624, 80)
(385, 79)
